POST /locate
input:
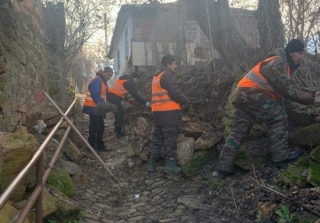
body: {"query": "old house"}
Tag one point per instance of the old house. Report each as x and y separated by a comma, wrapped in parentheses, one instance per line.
(145, 30)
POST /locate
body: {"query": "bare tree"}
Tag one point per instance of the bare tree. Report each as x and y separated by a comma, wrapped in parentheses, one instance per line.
(82, 22)
(270, 26)
(234, 50)
(302, 19)
(225, 38)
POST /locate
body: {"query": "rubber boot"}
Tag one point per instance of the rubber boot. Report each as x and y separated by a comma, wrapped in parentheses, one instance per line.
(171, 166)
(151, 164)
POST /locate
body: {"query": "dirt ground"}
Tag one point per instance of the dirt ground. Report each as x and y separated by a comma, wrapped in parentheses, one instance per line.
(246, 197)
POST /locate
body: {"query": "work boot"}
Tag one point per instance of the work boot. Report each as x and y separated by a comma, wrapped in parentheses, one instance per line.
(292, 156)
(151, 164)
(171, 166)
(103, 149)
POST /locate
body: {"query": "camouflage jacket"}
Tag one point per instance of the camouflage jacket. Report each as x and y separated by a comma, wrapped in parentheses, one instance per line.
(275, 72)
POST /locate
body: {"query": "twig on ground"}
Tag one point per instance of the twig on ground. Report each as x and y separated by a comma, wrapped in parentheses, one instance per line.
(234, 200)
(255, 175)
(282, 195)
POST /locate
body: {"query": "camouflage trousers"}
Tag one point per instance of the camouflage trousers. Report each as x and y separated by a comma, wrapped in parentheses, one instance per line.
(271, 113)
(163, 142)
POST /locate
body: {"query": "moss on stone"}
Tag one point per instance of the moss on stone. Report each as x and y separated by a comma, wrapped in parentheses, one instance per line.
(311, 220)
(229, 114)
(308, 136)
(304, 161)
(7, 214)
(198, 162)
(49, 206)
(69, 148)
(16, 149)
(296, 173)
(314, 174)
(315, 154)
(67, 210)
(61, 180)
(253, 152)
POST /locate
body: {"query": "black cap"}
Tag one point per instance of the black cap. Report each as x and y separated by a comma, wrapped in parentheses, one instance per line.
(107, 69)
(295, 45)
(135, 75)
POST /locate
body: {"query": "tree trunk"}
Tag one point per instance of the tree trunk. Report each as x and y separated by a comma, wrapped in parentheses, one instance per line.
(270, 27)
(226, 40)
(180, 52)
(233, 49)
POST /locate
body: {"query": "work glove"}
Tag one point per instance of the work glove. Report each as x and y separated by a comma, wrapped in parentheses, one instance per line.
(148, 105)
(106, 107)
(317, 99)
(131, 102)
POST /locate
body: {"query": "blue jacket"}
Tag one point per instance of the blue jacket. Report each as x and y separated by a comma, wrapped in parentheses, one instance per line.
(95, 91)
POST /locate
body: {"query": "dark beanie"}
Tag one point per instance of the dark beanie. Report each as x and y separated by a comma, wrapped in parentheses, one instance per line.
(135, 75)
(294, 45)
(107, 69)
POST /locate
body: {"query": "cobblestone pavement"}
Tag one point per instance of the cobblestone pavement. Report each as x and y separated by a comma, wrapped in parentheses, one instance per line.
(147, 197)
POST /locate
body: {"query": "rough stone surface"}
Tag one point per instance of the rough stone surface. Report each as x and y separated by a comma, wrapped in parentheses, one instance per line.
(314, 174)
(67, 209)
(28, 65)
(61, 180)
(308, 136)
(8, 213)
(253, 153)
(296, 174)
(16, 149)
(185, 150)
(71, 168)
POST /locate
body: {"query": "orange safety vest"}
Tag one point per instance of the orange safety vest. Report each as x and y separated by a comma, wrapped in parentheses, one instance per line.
(254, 79)
(89, 101)
(118, 89)
(161, 100)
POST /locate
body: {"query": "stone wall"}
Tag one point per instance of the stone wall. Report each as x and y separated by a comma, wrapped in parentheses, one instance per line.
(30, 60)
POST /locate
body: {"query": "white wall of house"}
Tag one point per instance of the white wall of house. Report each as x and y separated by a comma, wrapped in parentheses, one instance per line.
(142, 53)
(123, 52)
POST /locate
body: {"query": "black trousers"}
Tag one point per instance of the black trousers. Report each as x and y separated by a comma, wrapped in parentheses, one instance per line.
(119, 115)
(96, 130)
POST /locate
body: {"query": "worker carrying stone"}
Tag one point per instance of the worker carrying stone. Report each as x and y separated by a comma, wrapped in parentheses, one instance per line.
(257, 96)
(118, 92)
(96, 106)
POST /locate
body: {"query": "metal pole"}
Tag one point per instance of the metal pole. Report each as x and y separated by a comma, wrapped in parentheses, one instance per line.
(34, 197)
(31, 200)
(87, 144)
(209, 24)
(7, 193)
(55, 156)
(39, 173)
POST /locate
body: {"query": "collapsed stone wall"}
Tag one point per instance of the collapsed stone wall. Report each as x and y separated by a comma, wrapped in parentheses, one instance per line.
(30, 60)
